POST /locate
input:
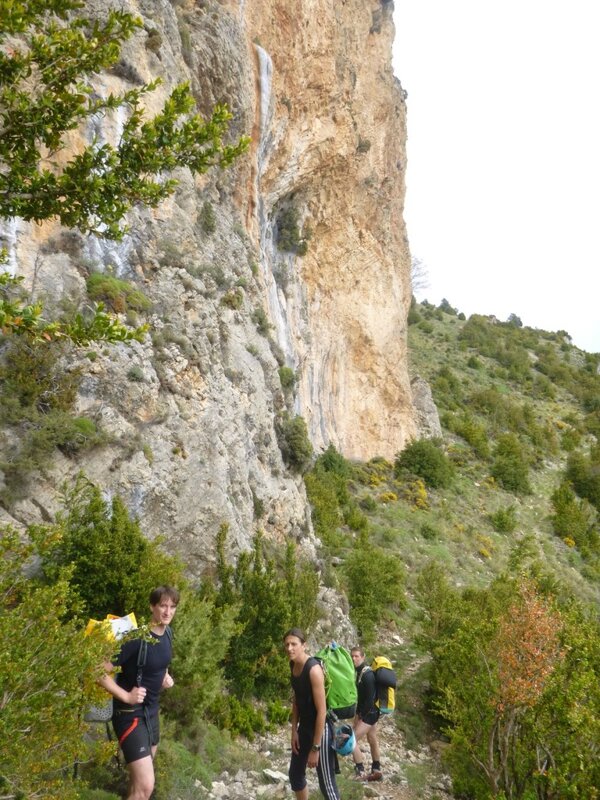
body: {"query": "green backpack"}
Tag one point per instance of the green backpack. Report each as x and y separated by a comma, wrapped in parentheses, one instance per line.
(340, 680)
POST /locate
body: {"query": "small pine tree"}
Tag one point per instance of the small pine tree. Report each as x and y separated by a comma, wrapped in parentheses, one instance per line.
(114, 567)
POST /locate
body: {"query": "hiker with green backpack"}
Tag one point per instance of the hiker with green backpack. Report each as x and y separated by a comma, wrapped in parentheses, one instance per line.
(311, 731)
(144, 672)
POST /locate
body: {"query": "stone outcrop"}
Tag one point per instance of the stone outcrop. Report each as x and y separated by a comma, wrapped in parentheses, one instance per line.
(191, 413)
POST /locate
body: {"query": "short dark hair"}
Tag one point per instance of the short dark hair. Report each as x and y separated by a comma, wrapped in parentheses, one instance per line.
(297, 632)
(156, 595)
(357, 649)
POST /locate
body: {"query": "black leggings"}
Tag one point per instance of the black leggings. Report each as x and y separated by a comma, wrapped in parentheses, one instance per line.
(325, 767)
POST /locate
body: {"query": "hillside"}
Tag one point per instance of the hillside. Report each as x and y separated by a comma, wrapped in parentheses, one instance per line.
(496, 514)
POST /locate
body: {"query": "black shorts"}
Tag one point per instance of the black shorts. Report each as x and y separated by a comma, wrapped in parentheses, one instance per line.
(372, 717)
(136, 734)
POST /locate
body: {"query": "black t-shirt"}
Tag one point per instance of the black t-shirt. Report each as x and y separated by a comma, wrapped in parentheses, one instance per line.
(158, 658)
(307, 711)
(366, 683)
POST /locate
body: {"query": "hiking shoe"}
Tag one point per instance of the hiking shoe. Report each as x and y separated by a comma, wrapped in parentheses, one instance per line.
(375, 775)
(360, 776)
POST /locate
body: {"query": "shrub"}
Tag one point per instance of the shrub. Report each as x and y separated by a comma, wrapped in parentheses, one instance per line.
(135, 374)
(504, 520)
(267, 598)
(260, 319)
(233, 299)
(295, 446)
(425, 459)
(37, 395)
(508, 653)
(375, 586)
(203, 637)
(354, 518)
(287, 377)
(47, 676)
(323, 490)
(574, 519)
(333, 461)
(413, 315)
(472, 432)
(368, 503)
(429, 531)
(207, 218)
(113, 566)
(584, 474)
(120, 295)
(289, 238)
(510, 466)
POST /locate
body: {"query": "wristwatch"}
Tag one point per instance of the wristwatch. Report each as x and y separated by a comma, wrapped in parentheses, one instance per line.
(315, 748)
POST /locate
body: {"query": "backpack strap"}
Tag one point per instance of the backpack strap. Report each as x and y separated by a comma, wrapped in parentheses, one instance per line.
(143, 654)
(366, 668)
(141, 661)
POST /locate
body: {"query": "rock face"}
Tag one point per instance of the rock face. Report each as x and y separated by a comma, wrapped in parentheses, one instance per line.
(192, 413)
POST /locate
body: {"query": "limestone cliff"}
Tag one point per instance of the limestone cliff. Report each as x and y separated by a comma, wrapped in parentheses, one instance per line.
(192, 412)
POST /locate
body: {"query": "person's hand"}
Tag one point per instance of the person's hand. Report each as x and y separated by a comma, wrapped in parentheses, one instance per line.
(167, 681)
(295, 742)
(313, 758)
(136, 696)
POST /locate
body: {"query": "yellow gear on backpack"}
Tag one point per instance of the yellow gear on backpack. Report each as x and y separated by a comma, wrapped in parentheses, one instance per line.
(385, 679)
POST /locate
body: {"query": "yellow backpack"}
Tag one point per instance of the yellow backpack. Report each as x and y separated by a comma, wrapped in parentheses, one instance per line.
(386, 681)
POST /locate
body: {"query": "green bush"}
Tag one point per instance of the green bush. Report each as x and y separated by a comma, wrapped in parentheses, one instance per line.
(375, 583)
(113, 566)
(323, 491)
(510, 467)
(472, 432)
(135, 374)
(266, 599)
(509, 652)
(118, 294)
(203, 635)
(47, 670)
(574, 520)
(425, 459)
(504, 520)
(584, 474)
(260, 319)
(354, 518)
(295, 446)
(207, 218)
(37, 395)
(289, 237)
(233, 299)
(287, 377)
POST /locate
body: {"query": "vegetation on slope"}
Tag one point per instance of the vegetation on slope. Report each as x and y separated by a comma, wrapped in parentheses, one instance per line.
(496, 527)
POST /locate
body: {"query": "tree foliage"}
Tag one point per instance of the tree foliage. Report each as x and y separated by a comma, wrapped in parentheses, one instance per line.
(375, 586)
(49, 54)
(113, 566)
(269, 598)
(516, 678)
(425, 458)
(47, 670)
(47, 64)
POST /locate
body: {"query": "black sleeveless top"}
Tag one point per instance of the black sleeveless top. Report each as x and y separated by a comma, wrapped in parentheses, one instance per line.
(307, 711)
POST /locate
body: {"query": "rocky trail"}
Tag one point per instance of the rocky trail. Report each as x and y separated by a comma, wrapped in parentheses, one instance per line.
(407, 775)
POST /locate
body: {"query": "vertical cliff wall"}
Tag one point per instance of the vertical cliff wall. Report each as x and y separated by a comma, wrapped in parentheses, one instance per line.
(191, 414)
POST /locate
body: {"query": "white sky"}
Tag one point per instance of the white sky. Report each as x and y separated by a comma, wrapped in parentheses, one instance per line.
(503, 175)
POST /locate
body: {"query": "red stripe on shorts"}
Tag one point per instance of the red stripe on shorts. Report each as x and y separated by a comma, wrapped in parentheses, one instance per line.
(131, 728)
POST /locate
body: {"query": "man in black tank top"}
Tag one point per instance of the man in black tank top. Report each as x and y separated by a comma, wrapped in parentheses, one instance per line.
(311, 733)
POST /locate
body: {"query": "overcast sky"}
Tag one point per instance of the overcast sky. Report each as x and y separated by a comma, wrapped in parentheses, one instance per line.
(503, 176)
